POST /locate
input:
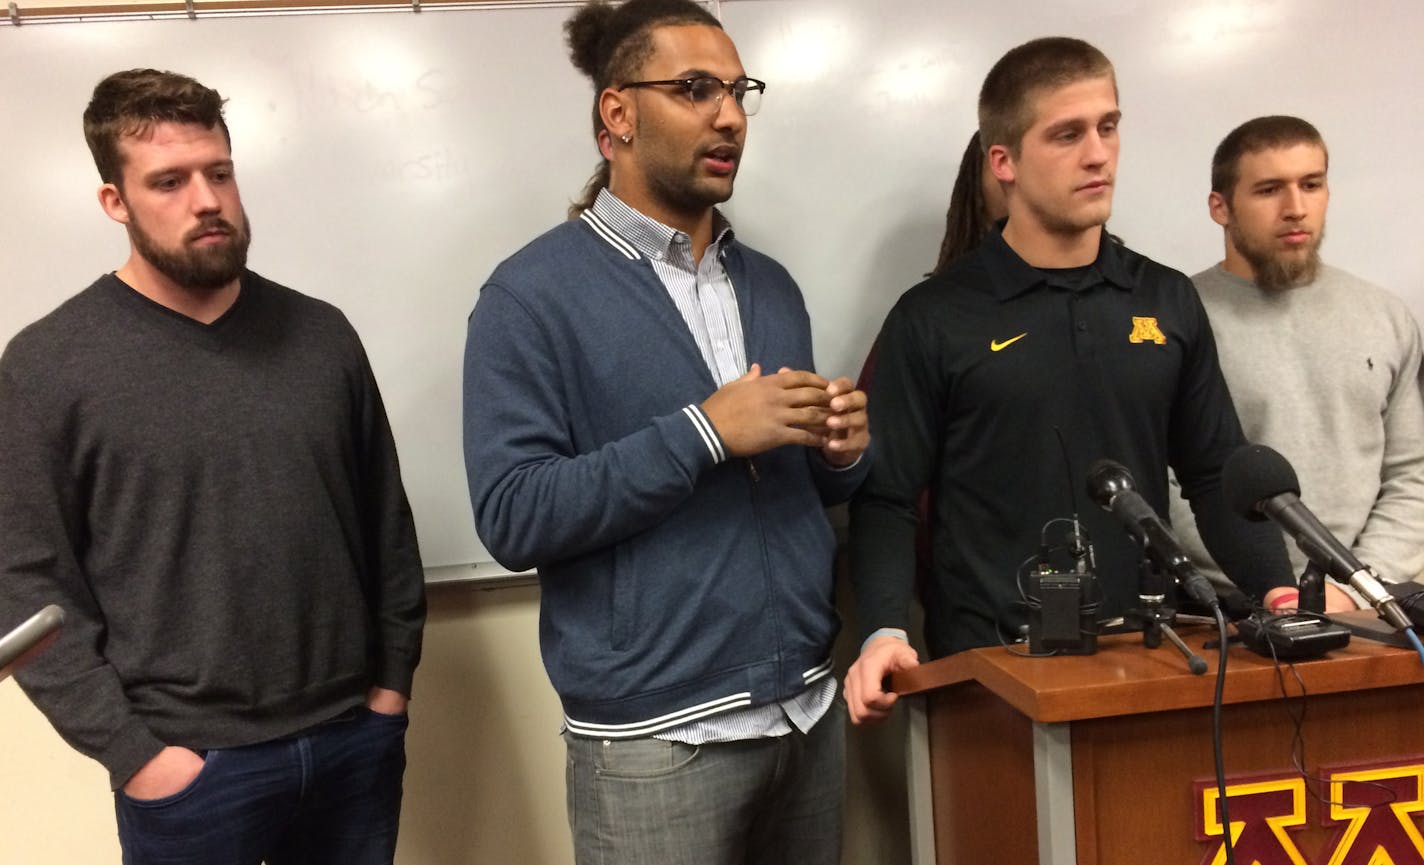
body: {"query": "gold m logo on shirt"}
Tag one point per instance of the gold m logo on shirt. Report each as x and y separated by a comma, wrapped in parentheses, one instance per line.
(1145, 329)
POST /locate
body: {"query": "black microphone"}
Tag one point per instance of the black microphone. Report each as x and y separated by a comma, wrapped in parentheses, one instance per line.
(1110, 485)
(1260, 483)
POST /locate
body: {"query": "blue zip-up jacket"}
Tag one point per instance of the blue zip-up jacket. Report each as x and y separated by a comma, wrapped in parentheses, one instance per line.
(676, 583)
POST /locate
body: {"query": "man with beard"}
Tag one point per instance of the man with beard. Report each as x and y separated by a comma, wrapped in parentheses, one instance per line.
(1323, 366)
(643, 426)
(199, 470)
(1046, 329)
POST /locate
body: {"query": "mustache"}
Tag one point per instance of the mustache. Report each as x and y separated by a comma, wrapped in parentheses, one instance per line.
(210, 224)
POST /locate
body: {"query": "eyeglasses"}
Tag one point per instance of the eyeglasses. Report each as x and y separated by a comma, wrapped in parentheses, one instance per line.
(705, 92)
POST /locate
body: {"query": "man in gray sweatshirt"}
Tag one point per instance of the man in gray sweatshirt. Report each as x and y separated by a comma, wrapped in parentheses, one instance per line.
(1323, 366)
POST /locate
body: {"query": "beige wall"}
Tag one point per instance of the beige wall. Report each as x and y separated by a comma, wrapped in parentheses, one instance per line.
(485, 779)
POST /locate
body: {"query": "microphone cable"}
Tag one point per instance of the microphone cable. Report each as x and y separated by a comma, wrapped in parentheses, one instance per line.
(1297, 747)
(1220, 763)
(1413, 639)
(1407, 603)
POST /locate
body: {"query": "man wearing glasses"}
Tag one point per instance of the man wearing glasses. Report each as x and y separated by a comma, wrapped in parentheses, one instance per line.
(642, 425)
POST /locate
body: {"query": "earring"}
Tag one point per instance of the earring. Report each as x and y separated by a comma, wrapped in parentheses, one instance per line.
(626, 138)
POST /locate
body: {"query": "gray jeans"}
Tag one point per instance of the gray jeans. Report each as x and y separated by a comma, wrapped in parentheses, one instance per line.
(757, 802)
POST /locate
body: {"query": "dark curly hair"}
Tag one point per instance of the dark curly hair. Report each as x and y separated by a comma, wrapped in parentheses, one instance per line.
(610, 44)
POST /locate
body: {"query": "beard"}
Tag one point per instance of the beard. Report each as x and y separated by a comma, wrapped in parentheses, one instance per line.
(1274, 270)
(685, 194)
(680, 189)
(205, 268)
(674, 179)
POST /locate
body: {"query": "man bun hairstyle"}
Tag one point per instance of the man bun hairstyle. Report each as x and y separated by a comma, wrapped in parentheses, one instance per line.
(584, 32)
(610, 44)
(1006, 101)
(1253, 136)
(130, 103)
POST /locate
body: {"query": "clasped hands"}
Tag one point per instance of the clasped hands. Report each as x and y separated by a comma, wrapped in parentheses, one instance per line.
(758, 412)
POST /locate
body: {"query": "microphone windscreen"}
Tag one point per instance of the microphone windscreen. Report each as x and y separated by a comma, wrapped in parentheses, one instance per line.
(1105, 480)
(1255, 473)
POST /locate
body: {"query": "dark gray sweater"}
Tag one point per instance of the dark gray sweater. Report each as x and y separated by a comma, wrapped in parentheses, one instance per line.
(219, 510)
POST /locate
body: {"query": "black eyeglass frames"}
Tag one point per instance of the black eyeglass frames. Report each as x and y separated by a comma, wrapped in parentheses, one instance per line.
(705, 92)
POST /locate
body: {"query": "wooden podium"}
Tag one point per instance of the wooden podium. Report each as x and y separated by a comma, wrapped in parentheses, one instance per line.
(1090, 760)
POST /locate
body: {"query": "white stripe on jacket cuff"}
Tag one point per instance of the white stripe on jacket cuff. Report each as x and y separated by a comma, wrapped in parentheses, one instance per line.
(709, 434)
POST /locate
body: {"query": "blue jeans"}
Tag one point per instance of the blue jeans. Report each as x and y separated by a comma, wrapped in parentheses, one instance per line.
(331, 794)
(756, 802)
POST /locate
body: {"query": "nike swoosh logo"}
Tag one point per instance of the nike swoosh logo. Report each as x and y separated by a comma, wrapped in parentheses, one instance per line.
(995, 345)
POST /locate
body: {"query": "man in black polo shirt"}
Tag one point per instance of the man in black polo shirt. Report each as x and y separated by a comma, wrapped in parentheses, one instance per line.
(1048, 324)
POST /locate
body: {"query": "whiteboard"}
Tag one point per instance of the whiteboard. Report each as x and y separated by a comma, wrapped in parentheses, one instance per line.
(390, 160)
(387, 161)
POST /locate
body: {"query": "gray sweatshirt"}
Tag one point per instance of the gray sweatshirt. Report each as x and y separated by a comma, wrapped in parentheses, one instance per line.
(1328, 374)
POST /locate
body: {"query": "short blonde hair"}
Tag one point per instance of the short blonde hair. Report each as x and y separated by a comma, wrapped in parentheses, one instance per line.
(1006, 101)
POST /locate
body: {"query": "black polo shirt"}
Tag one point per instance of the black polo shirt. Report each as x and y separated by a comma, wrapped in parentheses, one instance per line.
(975, 368)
